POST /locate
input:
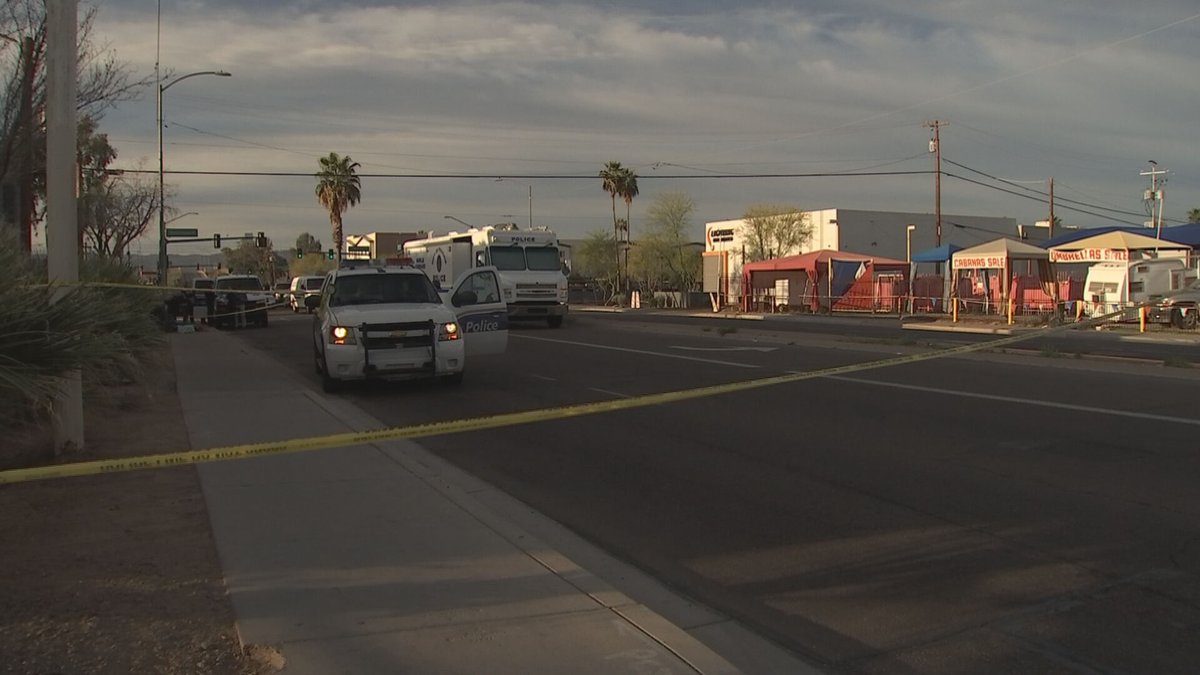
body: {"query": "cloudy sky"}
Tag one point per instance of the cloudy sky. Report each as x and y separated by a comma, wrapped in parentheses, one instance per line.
(735, 103)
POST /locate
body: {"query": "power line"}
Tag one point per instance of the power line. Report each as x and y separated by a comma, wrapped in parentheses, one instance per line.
(492, 176)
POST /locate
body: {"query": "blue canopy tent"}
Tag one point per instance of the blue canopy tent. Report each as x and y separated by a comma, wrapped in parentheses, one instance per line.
(1180, 234)
(939, 255)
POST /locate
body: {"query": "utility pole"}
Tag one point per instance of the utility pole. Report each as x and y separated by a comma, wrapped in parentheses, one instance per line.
(1054, 294)
(1155, 195)
(935, 146)
(1050, 227)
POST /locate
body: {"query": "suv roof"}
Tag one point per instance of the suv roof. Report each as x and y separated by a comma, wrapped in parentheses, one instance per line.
(375, 269)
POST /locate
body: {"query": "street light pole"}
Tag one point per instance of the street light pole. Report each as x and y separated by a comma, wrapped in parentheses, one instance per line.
(530, 186)
(908, 241)
(162, 224)
(458, 221)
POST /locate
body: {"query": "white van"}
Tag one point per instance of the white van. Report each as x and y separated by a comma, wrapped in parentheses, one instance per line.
(1114, 286)
(305, 292)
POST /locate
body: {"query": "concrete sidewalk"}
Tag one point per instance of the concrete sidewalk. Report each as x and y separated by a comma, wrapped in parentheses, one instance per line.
(384, 559)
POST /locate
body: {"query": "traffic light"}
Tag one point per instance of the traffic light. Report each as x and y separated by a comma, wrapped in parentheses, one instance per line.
(260, 240)
(216, 241)
(331, 254)
(299, 253)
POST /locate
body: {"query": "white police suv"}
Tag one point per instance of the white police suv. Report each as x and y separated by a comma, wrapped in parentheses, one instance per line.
(392, 323)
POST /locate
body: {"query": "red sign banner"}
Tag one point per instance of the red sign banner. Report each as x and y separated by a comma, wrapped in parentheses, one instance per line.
(979, 262)
(1089, 255)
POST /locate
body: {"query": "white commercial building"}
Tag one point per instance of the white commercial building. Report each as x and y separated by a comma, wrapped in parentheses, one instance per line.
(874, 233)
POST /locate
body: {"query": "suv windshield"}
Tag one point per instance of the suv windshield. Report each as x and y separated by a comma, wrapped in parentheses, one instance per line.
(240, 283)
(371, 289)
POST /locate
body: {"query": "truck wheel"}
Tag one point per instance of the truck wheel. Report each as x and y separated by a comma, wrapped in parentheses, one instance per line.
(329, 384)
(554, 321)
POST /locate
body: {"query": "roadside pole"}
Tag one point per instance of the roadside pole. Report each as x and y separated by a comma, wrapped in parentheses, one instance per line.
(62, 219)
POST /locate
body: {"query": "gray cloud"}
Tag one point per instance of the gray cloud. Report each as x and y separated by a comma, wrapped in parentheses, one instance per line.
(1030, 90)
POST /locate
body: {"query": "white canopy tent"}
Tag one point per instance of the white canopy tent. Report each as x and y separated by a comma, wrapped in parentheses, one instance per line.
(996, 259)
(1116, 245)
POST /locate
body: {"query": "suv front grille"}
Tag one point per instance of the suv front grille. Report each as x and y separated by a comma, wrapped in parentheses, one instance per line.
(399, 335)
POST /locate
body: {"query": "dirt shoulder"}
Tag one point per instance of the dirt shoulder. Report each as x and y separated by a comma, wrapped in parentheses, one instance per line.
(117, 573)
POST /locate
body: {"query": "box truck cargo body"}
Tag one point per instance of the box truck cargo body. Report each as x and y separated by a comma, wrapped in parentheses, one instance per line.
(529, 263)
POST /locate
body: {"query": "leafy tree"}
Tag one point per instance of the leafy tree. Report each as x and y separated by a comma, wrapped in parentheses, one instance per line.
(665, 257)
(114, 210)
(103, 82)
(774, 231)
(338, 188)
(596, 259)
(308, 243)
(1194, 215)
(247, 258)
(310, 266)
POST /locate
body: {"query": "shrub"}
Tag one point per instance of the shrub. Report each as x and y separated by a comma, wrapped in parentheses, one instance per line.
(101, 331)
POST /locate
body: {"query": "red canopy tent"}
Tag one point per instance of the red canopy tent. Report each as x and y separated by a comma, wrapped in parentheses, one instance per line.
(826, 280)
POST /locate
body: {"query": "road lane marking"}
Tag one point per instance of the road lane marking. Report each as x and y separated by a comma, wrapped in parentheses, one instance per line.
(1022, 401)
(725, 349)
(643, 352)
(608, 393)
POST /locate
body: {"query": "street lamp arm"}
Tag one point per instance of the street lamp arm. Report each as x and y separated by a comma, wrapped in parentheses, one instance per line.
(189, 213)
(218, 73)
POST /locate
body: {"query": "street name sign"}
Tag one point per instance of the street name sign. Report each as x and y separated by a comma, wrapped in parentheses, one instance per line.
(182, 232)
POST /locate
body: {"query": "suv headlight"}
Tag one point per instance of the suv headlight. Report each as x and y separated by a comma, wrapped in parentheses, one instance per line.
(342, 335)
(449, 331)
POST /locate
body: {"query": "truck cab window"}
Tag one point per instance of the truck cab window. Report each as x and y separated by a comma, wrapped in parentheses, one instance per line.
(508, 258)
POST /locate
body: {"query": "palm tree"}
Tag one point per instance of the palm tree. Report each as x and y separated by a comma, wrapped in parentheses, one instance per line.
(628, 190)
(613, 175)
(338, 188)
(1194, 215)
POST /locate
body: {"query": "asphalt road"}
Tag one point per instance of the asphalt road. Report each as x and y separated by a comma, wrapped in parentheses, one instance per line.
(987, 514)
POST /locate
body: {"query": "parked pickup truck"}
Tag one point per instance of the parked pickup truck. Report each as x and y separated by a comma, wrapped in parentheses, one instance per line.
(239, 300)
(1179, 308)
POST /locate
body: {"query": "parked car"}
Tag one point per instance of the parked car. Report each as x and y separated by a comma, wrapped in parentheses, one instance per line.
(239, 300)
(283, 292)
(1180, 308)
(304, 293)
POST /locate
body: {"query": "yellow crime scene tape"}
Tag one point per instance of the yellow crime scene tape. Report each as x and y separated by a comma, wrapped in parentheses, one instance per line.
(496, 421)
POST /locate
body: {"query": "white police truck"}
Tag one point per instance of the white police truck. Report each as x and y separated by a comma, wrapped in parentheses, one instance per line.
(391, 322)
(530, 264)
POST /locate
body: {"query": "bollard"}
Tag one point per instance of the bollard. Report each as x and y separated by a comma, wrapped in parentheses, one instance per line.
(955, 310)
(1141, 319)
(1078, 310)
(1011, 303)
